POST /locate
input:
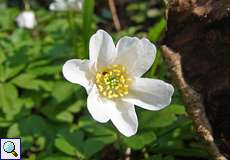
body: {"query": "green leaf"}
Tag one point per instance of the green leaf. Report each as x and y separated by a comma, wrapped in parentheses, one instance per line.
(20, 37)
(27, 142)
(86, 122)
(140, 140)
(40, 143)
(2, 56)
(6, 18)
(59, 50)
(160, 157)
(154, 67)
(33, 125)
(7, 72)
(169, 158)
(92, 146)
(101, 133)
(9, 99)
(13, 131)
(38, 63)
(4, 122)
(59, 25)
(70, 142)
(65, 116)
(27, 102)
(45, 70)
(176, 109)
(155, 32)
(13, 71)
(31, 157)
(182, 152)
(65, 147)
(155, 157)
(2, 73)
(161, 118)
(28, 81)
(68, 88)
(58, 157)
(77, 106)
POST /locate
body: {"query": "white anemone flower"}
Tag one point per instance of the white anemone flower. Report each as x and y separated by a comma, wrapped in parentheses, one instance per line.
(26, 19)
(112, 78)
(63, 5)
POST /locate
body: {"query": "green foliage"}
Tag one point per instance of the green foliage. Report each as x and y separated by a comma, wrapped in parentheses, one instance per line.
(140, 140)
(87, 21)
(50, 114)
(156, 31)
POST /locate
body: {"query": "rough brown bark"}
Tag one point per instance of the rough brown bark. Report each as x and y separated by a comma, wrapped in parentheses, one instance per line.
(197, 49)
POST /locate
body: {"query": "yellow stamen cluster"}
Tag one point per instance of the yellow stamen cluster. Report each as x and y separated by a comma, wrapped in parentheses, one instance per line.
(112, 82)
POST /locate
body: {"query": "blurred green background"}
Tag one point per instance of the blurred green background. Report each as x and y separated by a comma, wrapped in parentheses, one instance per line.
(50, 114)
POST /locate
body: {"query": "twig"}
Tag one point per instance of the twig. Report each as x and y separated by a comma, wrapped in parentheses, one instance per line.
(128, 153)
(193, 102)
(113, 9)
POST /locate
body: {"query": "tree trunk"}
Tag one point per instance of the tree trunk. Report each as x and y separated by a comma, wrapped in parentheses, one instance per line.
(197, 49)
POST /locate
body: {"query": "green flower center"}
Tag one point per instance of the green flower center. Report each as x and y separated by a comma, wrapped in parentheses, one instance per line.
(112, 81)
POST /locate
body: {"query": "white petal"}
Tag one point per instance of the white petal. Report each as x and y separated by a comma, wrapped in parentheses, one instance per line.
(78, 71)
(102, 49)
(58, 5)
(64, 5)
(150, 94)
(137, 55)
(97, 108)
(123, 116)
(75, 4)
(26, 19)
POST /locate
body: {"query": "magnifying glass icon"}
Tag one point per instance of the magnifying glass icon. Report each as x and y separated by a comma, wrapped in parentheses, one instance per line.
(9, 147)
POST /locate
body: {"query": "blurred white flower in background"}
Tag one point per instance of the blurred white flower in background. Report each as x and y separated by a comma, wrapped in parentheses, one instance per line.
(63, 5)
(3, 5)
(26, 19)
(112, 78)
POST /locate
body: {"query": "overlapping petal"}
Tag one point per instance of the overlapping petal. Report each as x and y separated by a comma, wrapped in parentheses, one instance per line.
(97, 107)
(78, 71)
(137, 55)
(102, 49)
(150, 94)
(123, 116)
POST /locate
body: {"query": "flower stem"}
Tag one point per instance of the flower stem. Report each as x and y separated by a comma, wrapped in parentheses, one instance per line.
(26, 5)
(153, 69)
(72, 28)
(119, 143)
